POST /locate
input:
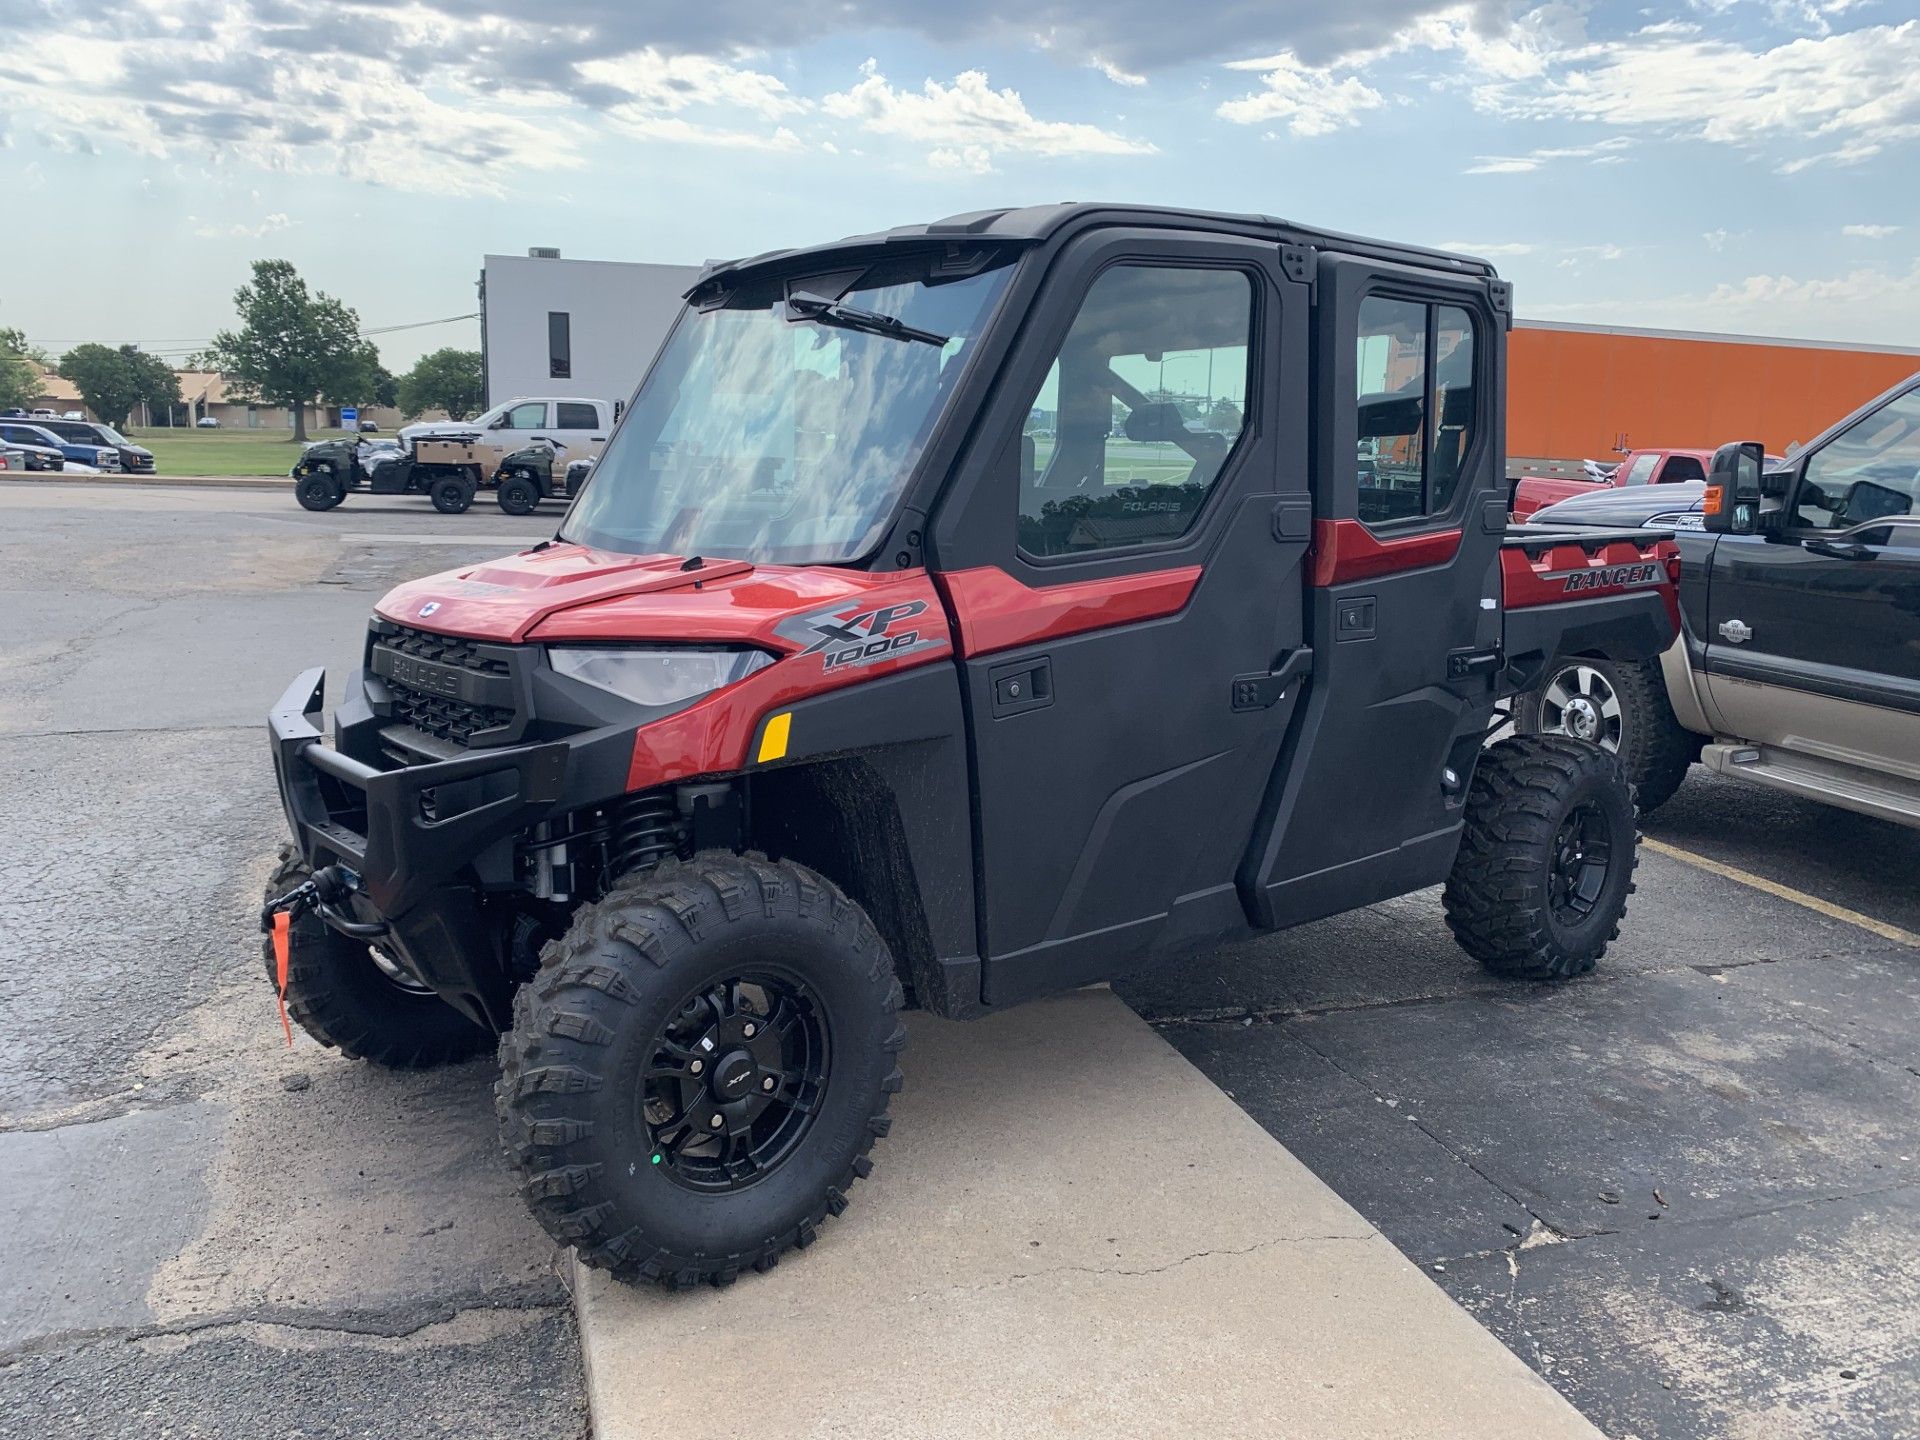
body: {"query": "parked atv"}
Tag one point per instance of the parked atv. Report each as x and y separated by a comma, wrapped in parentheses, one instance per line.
(526, 477)
(870, 695)
(448, 471)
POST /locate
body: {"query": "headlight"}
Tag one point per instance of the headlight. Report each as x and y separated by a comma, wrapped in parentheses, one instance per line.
(657, 677)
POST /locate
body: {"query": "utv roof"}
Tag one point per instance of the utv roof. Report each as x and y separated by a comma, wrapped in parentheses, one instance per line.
(1034, 223)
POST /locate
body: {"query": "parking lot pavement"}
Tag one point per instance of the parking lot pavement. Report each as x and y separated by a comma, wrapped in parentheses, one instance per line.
(1686, 1190)
(210, 1234)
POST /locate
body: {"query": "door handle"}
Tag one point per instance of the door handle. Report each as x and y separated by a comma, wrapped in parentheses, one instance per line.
(1021, 686)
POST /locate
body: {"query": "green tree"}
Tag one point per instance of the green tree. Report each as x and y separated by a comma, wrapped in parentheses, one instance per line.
(155, 381)
(105, 380)
(19, 370)
(449, 380)
(295, 347)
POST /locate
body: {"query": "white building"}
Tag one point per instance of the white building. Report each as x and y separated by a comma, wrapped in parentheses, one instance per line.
(550, 326)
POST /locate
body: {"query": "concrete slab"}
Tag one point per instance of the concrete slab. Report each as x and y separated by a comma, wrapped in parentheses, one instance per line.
(1070, 1231)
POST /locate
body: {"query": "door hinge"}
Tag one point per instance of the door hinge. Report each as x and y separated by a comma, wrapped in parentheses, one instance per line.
(1735, 631)
(1298, 264)
(1462, 663)
(1263, 692)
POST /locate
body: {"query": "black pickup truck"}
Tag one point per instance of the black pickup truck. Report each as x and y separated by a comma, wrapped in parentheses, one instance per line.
(1799, 662)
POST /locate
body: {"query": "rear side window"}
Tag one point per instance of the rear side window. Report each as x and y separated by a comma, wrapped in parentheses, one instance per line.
(1682, 467)
(1641, 470)
(1147, 397)
(1416, 371)
(575, 416)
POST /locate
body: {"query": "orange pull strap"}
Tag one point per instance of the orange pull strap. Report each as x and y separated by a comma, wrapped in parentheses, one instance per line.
(282, 928)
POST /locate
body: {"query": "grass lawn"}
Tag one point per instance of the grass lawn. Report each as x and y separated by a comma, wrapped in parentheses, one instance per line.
(181, 451)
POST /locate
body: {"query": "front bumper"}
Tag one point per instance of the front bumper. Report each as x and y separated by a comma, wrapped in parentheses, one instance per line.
(409, 831)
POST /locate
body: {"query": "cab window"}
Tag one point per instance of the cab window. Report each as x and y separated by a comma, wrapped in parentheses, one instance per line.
(1869, 471)
(575, 416)
(1416, 367)
(1137, 416)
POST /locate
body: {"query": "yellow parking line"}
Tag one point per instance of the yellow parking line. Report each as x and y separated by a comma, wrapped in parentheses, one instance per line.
(1787, 892)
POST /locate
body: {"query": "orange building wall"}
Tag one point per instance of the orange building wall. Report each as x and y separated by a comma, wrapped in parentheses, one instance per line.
(1572, 394)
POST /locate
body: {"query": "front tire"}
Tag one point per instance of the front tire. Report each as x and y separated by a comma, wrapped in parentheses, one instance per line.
(518, 495)
(1622, 708)
(695, 1077)
(341, 995)
(1546, 861)
(320, 490)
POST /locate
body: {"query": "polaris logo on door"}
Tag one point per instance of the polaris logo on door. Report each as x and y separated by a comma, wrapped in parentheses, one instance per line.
(1608, 576)
(860, 638)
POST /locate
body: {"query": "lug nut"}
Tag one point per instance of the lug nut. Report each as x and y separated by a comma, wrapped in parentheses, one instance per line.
(715, 1122)
(767, 1084)
(749, 1029)
(697, 1066)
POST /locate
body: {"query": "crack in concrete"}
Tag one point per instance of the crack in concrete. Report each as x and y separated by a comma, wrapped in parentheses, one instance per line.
(395, 1324)
(1125, 1271)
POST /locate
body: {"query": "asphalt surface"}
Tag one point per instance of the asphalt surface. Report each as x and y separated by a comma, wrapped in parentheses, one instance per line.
(209, 1234)
(1687, 1189)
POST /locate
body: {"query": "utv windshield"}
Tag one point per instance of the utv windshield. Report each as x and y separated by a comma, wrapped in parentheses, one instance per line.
(782, 425)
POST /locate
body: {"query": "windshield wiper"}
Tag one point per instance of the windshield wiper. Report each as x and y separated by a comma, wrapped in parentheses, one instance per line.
(804, 306)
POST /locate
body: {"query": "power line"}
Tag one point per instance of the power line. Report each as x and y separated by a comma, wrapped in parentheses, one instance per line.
(187, 347)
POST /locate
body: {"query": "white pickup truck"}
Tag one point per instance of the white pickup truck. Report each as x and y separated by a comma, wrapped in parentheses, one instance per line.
(579, 425)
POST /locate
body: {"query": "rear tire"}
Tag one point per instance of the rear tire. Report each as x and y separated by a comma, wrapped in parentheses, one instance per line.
(609, 1094)
(518, 495)
(339, 995)
(1546, 861)
(1622, 708)
(450, 495)
(320, 490)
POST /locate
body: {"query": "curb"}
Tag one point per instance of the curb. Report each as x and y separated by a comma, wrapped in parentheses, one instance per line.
(228, 482)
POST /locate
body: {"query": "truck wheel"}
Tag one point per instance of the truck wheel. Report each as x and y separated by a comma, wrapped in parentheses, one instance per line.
(518, 495)
(345, 996)
(450, 495)
(1546, 861)
(695, 1077)
(321, 490)
(1622, 708)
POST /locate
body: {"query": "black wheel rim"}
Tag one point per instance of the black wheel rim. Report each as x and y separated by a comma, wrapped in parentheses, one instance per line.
(1582, 858)
(734, 1080)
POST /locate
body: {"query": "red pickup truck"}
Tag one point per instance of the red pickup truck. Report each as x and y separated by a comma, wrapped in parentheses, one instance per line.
(1637, 467)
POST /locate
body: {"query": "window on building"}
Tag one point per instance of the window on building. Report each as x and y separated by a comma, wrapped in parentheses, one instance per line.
(1415, 368)
(559, 345)
(1134, 422)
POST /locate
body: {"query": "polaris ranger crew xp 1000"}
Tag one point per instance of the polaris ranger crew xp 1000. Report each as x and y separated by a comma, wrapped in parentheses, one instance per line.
(959, 614)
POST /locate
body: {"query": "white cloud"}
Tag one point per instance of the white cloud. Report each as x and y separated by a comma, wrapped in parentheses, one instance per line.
(968, 115)
(1869, 232)
(976, 159)
(1850, 93)
(672, 83)
(1603, 152)
(1868, 305)
(1310, 99)
(1715, 239)
(1118, 76)
(1499, 250)
(239, 229)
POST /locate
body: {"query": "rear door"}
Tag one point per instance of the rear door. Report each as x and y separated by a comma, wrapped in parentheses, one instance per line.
(1813, 635)
(581, 426)
(1122, 567)
(1405, 620)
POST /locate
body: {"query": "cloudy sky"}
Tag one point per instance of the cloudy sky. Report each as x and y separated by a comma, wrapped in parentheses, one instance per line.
(1744, 165)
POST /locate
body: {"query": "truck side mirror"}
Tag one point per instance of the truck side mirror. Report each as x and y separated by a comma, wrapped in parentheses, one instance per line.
(1732, 503)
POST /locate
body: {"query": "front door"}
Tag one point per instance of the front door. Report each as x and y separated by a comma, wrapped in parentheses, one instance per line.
(1123, 574)
(1813, 634)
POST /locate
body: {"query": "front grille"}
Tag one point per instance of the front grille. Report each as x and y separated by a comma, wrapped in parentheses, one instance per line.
(447, 649)
(453, 717)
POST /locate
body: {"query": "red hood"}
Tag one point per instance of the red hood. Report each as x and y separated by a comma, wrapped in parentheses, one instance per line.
(571, 592)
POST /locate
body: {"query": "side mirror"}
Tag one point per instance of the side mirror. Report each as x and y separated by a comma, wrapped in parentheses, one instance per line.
(1732, 505)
